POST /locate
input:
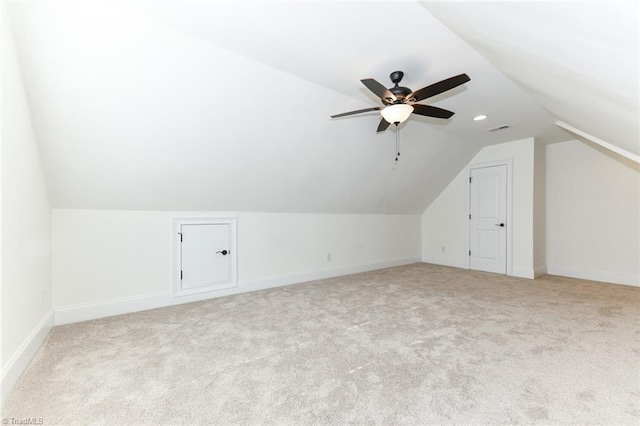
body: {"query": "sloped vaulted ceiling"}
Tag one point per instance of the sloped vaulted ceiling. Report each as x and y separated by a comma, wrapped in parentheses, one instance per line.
(578, 59)
(209, 105)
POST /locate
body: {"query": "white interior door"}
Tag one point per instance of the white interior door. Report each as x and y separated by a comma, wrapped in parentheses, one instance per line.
(487, 219)
(205, 255)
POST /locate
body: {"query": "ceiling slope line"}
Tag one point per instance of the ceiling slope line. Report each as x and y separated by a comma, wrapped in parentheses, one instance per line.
(358, 97)
(210, 43)
(607, 145)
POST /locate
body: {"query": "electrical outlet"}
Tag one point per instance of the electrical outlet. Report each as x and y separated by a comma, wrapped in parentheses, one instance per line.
(328, 257)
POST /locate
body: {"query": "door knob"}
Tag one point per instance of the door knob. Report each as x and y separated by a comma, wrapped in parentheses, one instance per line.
(500, 225)
(224, 252)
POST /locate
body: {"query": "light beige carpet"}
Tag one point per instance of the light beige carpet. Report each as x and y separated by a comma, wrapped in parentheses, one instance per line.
(419, 344)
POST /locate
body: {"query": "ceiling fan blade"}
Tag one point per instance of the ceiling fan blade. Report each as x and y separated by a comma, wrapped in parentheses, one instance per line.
(356, 112)
(383, 125)
(431, 111)
(382, 92)
(439, 87)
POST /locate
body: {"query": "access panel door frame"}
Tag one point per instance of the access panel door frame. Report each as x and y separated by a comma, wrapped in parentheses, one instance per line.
(189, 225)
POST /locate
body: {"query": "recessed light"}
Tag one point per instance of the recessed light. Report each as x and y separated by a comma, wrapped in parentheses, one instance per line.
(479, 117)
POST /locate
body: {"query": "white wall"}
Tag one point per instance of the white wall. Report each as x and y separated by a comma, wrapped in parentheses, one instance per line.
(593, 213)
(25, 226)
(444, 226)
(444, 223)
(540, 209)
(124, 259)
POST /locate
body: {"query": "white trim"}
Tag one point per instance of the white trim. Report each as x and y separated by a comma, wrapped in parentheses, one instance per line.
(178, 291)
(509, 163)
(107, 308)
(595, 275)
(607, 145)
(523, 273)
(447, 261)
(25, 353)
(539, 271)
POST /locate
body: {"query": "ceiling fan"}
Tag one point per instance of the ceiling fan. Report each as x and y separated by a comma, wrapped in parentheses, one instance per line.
(400, 102)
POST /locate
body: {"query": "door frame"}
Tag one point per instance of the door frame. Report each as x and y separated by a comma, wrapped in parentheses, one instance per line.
(177, 254)
(483, 165)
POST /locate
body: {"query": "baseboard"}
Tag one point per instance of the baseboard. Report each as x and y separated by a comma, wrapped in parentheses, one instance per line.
(539, 271)
(461, 263)
(446, 261)
(107, 308)
(595, 275)
(282, 280)
(22, 357)
(522, 272)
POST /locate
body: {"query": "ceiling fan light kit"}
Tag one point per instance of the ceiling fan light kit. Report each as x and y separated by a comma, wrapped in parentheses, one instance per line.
(397, 113)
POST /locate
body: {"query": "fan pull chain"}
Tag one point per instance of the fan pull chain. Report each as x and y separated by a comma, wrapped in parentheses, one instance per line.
(397, 143)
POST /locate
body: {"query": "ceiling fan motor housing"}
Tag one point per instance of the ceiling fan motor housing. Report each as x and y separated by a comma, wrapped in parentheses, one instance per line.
(399, 92)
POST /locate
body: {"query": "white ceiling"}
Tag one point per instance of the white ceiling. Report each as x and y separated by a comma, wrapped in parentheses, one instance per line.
(209, 105)
(578, 59)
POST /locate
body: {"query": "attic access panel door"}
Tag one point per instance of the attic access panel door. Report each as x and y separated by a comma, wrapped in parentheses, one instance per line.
(206, 256)
(487, 219)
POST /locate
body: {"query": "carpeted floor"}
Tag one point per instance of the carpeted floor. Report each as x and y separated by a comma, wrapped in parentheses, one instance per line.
(418, 344)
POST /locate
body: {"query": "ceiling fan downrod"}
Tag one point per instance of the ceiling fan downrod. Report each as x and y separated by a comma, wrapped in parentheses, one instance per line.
(400, 92)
